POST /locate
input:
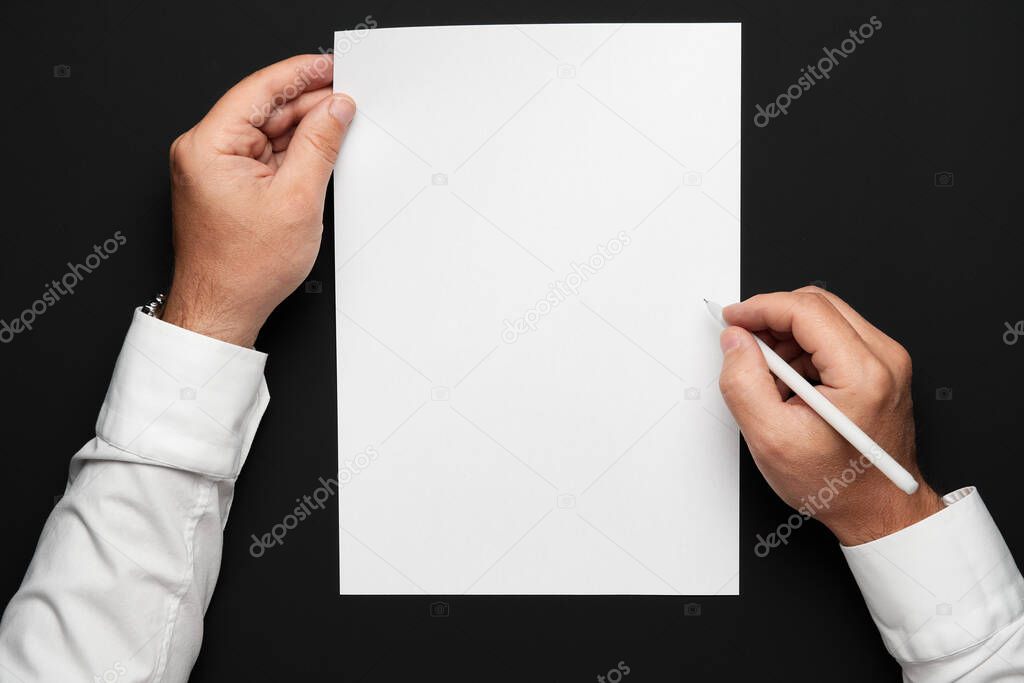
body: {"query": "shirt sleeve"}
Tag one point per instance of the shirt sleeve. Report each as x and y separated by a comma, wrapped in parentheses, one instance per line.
(946, 595)
(128, 559)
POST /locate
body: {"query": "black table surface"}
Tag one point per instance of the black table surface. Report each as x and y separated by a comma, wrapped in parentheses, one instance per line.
(895, 182)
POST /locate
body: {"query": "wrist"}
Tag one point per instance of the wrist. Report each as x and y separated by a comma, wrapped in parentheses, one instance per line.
(887, 518)
(219, 322)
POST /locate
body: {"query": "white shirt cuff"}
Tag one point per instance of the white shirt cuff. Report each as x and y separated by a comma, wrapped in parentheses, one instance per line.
(942, 585)
(182, 400)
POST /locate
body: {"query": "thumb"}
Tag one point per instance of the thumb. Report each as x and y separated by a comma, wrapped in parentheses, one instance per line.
(314, 147)
(747, 385)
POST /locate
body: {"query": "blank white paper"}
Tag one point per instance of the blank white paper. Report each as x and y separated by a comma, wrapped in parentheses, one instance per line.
(526, 221)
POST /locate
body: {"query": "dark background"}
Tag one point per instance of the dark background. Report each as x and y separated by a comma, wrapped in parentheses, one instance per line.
(842, 190)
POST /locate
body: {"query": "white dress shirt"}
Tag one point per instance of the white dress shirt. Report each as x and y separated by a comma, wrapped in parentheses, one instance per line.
(128, 559)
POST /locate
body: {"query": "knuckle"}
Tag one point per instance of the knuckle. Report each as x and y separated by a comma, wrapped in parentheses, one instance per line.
(903, 365)
(175, 154)
(878, 381)
(727, 384)
(734, 387)
(812, 300)
(180, 163)
(811, 289)
(765, 444)
(810, 306)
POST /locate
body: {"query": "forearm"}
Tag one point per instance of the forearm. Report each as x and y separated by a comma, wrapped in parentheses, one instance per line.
(127, 562)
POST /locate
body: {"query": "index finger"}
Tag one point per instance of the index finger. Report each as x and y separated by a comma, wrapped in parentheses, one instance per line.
(837, 351)
(879, 342)
(258, 96)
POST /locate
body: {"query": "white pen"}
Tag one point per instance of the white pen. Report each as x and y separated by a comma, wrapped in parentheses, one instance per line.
(828, 412)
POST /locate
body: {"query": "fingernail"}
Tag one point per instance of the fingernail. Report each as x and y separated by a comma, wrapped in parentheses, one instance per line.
(731, 339)
(343, 108)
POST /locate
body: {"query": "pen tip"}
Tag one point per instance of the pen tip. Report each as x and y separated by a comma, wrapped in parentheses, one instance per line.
(705, 300)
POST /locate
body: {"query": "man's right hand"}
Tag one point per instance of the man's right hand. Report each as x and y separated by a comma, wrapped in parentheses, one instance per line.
(855, 366)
